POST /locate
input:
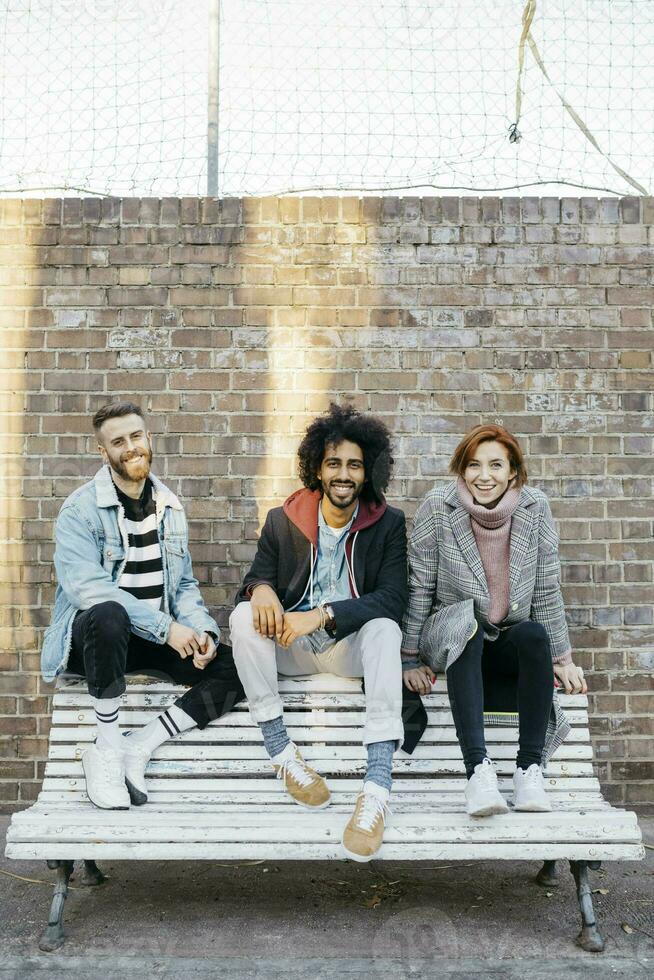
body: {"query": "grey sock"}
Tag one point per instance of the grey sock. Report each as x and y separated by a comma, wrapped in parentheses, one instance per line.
(275, 736)
(380, 764)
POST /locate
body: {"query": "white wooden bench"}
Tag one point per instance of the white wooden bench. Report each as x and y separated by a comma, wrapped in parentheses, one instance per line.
(212, 795)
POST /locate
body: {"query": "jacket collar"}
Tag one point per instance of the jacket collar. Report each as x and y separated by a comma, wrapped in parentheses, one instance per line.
(106, 496)
(527, 497)
(521, 526)
(301, 508)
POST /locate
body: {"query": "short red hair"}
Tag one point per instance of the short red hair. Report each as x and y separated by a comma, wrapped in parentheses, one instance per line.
(489, 433)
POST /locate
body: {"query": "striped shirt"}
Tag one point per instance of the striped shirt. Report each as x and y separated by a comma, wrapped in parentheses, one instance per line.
(142, 575)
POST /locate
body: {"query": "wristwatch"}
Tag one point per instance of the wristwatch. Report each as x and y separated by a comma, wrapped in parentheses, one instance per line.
(330, 623)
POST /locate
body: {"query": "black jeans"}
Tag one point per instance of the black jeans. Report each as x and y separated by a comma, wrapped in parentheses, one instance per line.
(522, 652)
(104, 650)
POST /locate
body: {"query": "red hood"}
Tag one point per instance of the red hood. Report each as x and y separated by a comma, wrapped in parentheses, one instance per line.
(302, 509)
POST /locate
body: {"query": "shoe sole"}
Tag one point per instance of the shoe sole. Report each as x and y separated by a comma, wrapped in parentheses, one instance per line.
(307, 806)
(489, 810)
(360, 858)
(532, 808)
(137, 798)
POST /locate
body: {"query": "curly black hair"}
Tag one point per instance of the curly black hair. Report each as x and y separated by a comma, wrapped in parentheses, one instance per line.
(341, 422)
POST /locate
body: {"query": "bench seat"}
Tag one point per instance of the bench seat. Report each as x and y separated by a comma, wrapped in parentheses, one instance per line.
(213, 795)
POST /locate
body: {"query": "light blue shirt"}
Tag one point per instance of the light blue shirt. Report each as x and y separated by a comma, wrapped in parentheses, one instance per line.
(331, 580)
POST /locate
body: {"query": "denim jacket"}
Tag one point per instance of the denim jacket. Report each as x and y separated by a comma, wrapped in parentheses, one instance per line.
(90, 553)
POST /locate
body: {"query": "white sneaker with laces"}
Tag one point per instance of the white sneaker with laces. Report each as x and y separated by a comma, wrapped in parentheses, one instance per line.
(135, 758)
(529, 791)
(483, 797)
(104, 771)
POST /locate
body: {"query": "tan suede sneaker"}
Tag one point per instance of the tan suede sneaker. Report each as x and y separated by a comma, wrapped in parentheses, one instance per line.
(302, 782)
(364, 833)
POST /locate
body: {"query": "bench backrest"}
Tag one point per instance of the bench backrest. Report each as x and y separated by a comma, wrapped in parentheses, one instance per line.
(324, 715)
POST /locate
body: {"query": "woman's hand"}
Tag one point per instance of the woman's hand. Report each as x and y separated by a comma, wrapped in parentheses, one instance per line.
(572, 678)
(419, 679)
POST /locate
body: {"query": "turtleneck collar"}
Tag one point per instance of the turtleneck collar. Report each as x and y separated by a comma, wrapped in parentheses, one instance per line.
(488, 517)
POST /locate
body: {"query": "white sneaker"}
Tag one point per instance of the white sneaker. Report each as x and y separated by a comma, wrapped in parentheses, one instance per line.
(529, 791)
(105, 778)
(483, 798)
(135, 758)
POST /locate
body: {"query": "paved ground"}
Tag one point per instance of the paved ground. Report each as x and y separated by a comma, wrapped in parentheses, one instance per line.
(323, 920)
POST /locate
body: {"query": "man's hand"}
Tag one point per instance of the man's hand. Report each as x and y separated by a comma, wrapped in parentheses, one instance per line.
(207, 654)
(267, 611)
(298, 624)
(184, 639)
(419, 679)
(572, 678)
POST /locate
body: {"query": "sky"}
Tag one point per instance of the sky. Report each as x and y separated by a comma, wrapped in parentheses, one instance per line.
(326, 96)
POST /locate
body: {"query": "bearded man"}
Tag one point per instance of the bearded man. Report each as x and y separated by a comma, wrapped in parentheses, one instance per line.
(127, 602)
(325, 594)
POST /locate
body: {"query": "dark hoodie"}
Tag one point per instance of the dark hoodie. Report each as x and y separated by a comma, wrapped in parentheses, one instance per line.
(375, 551)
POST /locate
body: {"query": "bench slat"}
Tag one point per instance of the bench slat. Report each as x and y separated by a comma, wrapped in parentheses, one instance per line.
(311, 733)
(301, 686)
(268, 784)
(187, 802)
(229, 767)
(307, 714)
(243, 823)
(315, 752)
(252, 851)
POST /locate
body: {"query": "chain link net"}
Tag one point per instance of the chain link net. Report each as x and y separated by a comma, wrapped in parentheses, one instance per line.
(314, 96)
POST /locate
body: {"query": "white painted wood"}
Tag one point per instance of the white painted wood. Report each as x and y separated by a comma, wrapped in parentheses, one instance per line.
(438, 787)
(135, 718)
(320, 731)
(250, 851)
(230, 767)
(321, 683)
(430, 826)
(171, 802)
(313, 752)
(213, 795)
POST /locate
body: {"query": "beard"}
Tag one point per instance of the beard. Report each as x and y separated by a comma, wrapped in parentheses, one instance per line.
(133, 466)
(342, 503)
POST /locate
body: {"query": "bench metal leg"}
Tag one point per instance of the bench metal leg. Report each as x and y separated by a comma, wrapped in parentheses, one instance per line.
(53, 936)
(92, 874)
(547, 876)
(590, 937)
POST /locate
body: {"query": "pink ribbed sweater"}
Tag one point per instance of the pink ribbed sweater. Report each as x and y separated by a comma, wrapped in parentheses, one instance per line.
(492, 530)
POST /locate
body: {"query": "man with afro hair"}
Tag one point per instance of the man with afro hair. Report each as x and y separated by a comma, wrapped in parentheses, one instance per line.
(326, 593)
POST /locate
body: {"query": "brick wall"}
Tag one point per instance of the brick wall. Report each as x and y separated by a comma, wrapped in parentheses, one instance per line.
(235, 321)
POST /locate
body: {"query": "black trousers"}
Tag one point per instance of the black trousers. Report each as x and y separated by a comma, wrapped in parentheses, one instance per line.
(104, 650)
(521, 653)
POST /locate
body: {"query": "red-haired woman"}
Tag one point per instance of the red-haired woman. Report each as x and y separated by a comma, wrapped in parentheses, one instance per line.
(485, 606)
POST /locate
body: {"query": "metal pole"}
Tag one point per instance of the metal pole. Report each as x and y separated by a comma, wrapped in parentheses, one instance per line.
(212, 121)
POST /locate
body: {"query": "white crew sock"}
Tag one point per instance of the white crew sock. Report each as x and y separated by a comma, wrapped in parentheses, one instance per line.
(106, 717)
(169, 723)
(375, 789)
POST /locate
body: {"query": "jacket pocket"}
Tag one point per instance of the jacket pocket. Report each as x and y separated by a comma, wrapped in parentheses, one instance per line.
(112, 556)
(175, 552)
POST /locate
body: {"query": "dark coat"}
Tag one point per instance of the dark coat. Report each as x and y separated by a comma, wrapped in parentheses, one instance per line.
(376, 555)
(375, 551)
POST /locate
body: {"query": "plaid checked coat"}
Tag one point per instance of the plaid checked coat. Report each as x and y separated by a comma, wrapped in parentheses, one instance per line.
(448, 593)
